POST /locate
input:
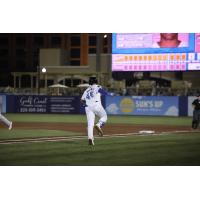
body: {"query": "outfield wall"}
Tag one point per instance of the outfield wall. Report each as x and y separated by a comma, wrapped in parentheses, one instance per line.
(142, 105)
(43, 104)
(2, 103)
(117, 105)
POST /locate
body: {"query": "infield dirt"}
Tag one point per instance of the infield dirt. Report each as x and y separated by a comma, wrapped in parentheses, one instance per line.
(108, 129)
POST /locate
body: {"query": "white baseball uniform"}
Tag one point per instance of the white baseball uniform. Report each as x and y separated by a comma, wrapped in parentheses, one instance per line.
(5, 121)
(2, 118)
(92, 98)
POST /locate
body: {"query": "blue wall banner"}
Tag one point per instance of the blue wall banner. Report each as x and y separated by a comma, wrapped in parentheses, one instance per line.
(183, 102)
(43, 104)
(27, 104)
(2, 103)
(63, 104)
(142, 105)
(117, 105)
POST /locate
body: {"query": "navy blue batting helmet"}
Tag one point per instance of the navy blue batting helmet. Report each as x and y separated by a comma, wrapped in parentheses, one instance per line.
(93, 80)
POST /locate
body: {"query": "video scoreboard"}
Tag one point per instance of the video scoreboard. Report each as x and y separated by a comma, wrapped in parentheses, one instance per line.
(141, 52)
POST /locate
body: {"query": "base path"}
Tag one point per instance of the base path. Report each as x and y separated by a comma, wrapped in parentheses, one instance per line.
(108, 129)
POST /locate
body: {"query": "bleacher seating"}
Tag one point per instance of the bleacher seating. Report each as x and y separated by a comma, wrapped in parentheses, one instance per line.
(146, 87)
(179, 87)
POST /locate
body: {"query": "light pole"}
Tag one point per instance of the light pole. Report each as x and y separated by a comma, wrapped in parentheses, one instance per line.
(38, 80)
(44, 70)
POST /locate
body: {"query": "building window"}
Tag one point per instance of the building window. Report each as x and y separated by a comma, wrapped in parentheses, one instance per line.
(3, 41)
(36, 51)
(21, 41)
(92, 41)
(4, 64)
(35, 64)
(20, 52)
(3, 52)
(56, 41)
(21, 65)
(75, 53)
(75, 41)
(39, 41)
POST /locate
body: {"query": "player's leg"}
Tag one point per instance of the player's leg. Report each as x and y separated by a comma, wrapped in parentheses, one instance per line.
(195, 119)
(6, 121)
(101, 113)
(90, 120)
(198, 120)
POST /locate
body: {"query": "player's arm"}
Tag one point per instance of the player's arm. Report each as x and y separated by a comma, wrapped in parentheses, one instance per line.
(104, 92)
(193, 104)
(83, 101)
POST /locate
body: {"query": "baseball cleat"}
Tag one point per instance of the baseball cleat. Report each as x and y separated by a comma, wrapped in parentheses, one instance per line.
(90, 142)
(10, 126)
(99, 130)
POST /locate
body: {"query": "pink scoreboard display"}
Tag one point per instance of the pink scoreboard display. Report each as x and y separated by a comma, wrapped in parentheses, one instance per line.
(155, 51)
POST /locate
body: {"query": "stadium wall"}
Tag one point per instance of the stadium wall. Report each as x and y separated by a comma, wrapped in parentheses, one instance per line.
(117, 105)
(2, 103)
(143, 105)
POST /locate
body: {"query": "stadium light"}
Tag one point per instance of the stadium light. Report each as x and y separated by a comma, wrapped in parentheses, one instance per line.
(44, 70)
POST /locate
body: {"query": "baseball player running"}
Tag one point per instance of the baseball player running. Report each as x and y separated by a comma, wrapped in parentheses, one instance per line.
(6, 121)
(91, 99)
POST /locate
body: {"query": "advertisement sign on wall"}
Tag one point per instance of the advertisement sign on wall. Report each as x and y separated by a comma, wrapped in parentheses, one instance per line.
(142, 105)
(117, 105)
(63, 104)
(43, 104)
(32, 104)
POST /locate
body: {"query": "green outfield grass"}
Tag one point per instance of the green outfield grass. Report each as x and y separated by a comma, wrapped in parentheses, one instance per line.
(173, 149)
(21, 133)
(111, 119)
(164, 150)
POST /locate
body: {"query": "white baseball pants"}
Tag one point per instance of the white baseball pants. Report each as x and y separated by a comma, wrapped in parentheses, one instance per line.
(91, 111)
(4, 120)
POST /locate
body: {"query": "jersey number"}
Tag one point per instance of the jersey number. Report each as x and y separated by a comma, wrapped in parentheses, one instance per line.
(90, 95)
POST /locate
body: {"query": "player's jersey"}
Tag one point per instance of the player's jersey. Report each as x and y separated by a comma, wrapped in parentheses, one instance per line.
(196, 104)
(92, 95)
